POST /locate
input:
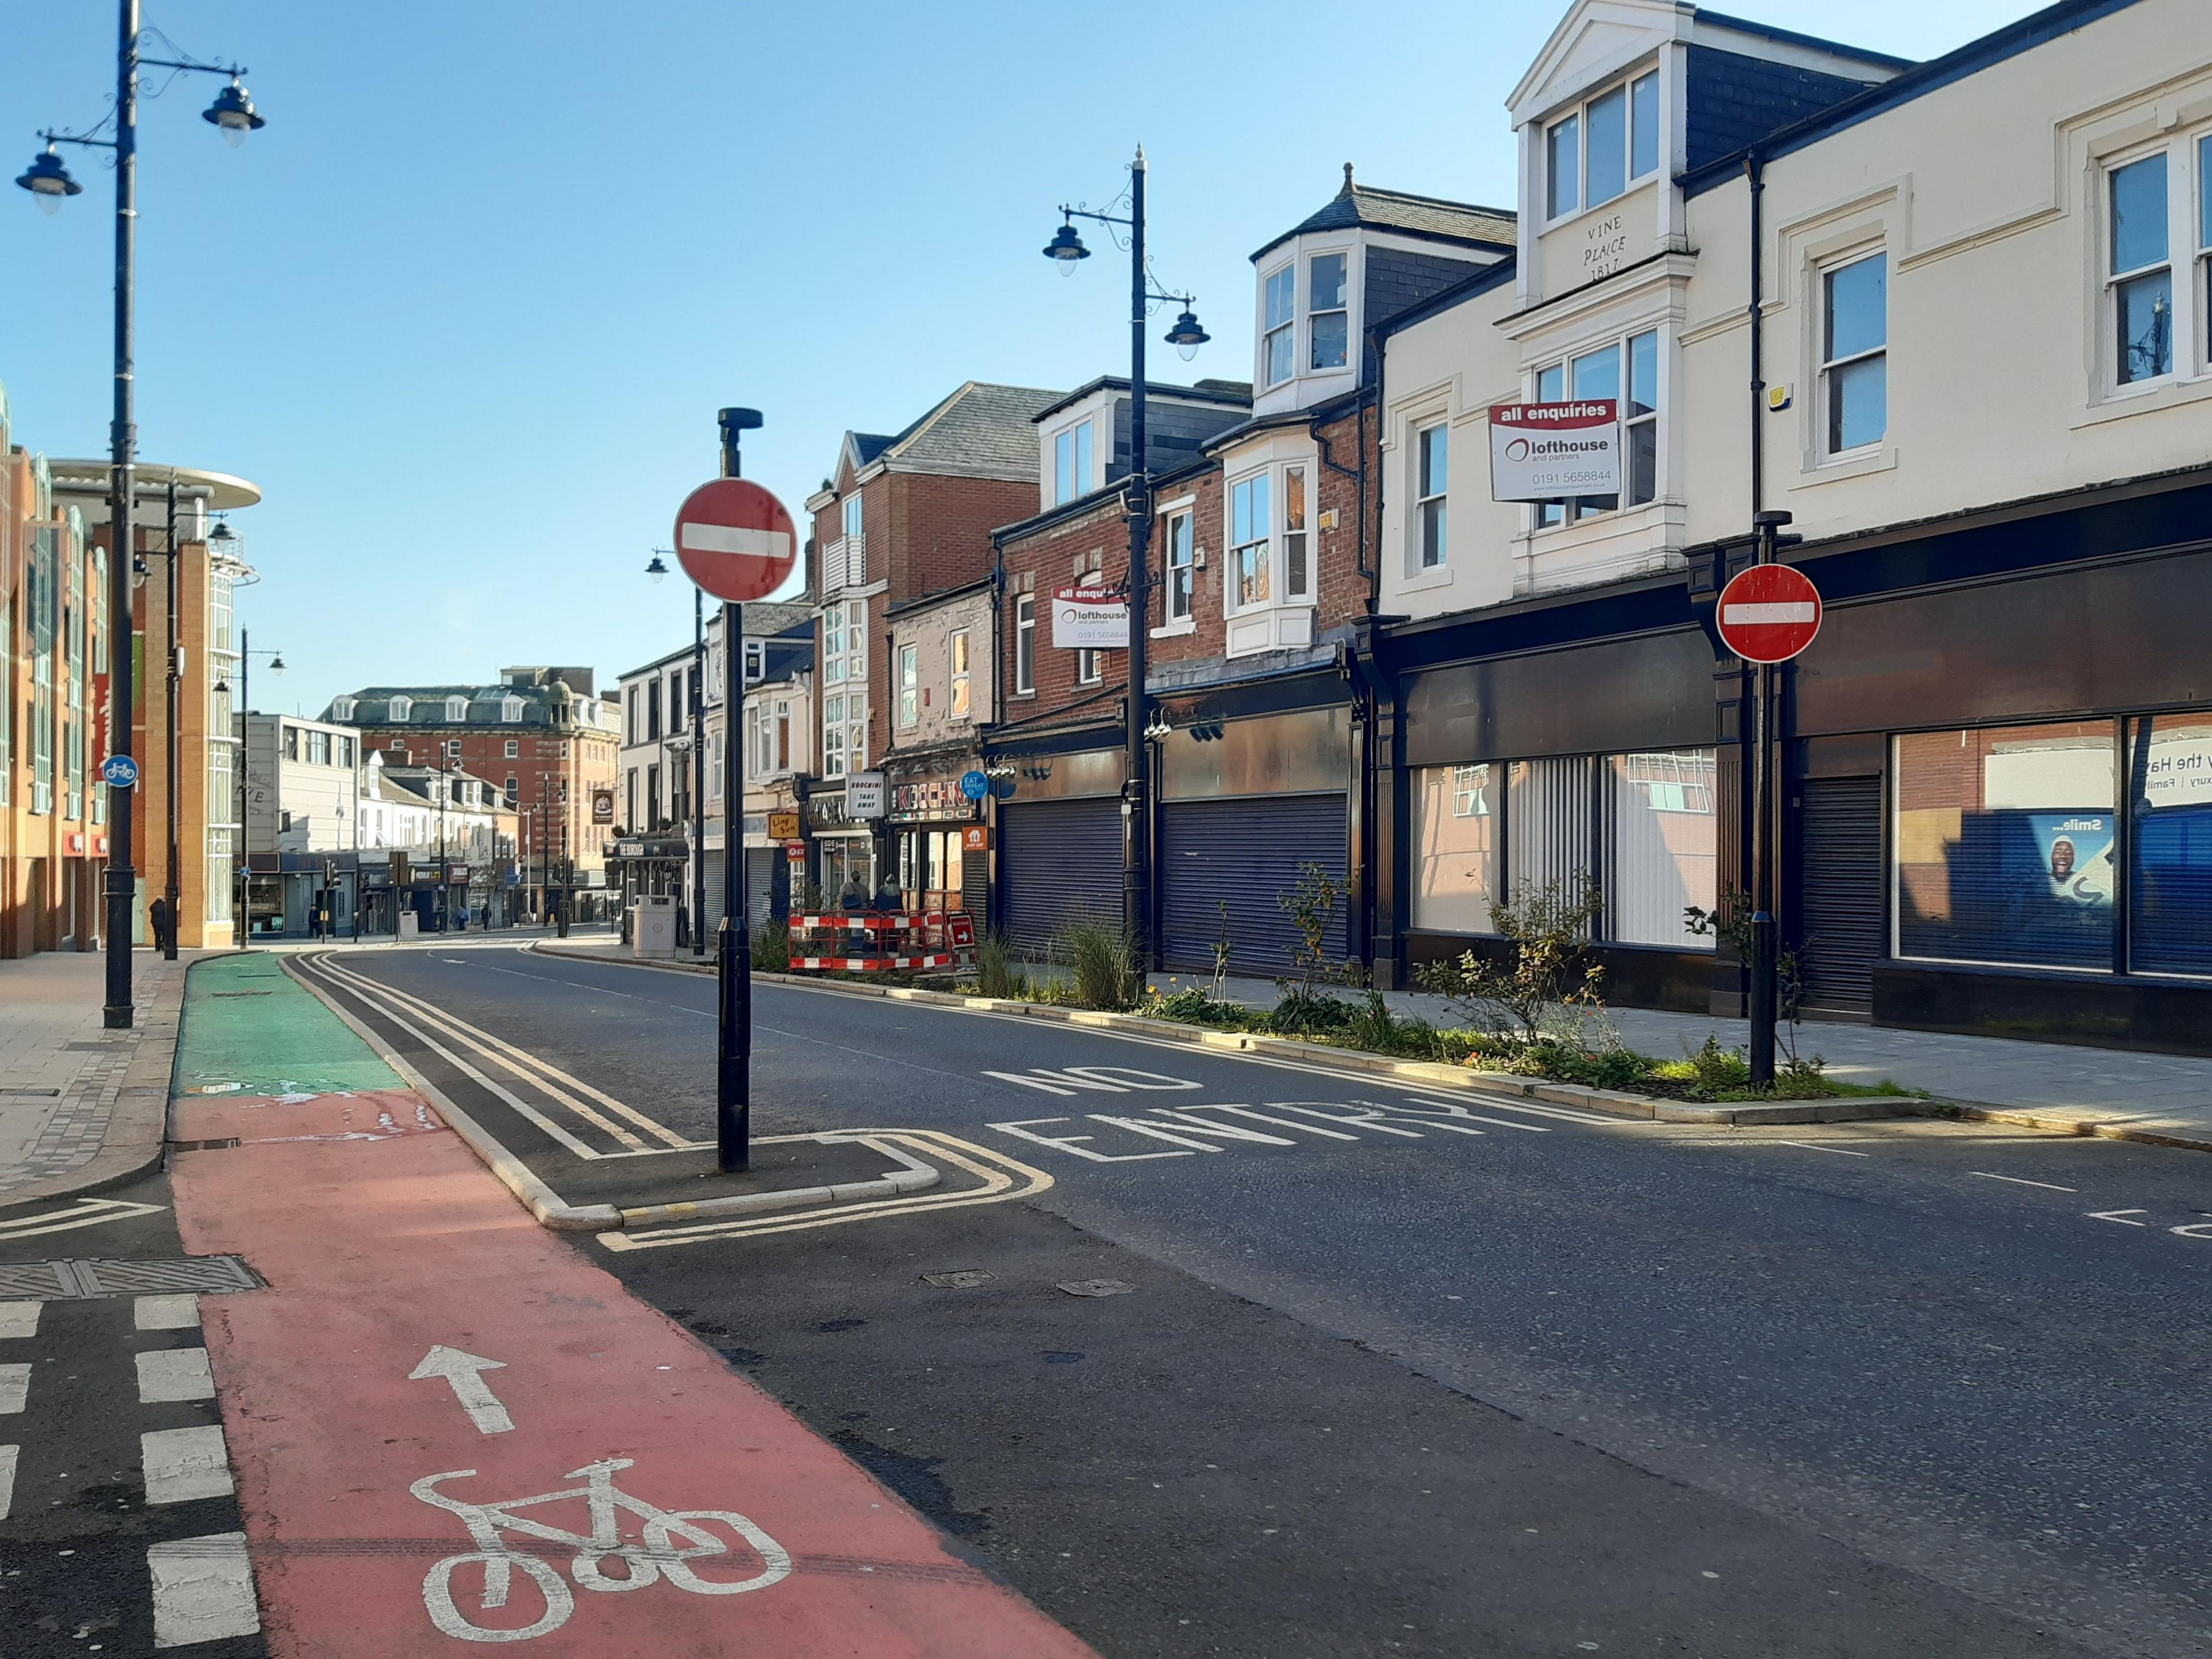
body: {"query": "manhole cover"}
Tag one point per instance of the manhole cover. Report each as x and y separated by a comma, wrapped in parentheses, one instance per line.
(73, 1281)
(1097, 1287)
(966, 1279)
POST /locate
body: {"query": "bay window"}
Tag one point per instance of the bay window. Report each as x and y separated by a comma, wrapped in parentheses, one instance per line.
(2141, 279)
(1249, 544)
(1181, 547)
(783, 736)
(1278, 326)
(1595, 152)
(833, 735)
(1297, 566)
(909, 685)
(1854, 353)
(1432, 447)
(1327, 320)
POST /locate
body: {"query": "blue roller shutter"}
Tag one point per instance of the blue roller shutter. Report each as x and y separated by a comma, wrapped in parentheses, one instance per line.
(1246, 850)
(1059, 861)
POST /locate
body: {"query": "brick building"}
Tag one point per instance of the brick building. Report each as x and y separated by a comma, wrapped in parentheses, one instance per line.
(901, 517)
(1263, 567)
(543, 736)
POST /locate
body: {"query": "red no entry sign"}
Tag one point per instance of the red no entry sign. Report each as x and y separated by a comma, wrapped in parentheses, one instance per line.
(1770, 613)
(735, 540)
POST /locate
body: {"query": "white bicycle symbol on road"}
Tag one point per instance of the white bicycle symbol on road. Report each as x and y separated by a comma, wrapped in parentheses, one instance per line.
(673, 1542)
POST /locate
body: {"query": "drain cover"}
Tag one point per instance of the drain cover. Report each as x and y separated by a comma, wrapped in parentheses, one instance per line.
(1096, 1286)
(73, 1281)
(967, 1279)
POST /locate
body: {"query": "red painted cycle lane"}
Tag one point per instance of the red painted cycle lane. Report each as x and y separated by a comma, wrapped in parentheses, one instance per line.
(734, 1528)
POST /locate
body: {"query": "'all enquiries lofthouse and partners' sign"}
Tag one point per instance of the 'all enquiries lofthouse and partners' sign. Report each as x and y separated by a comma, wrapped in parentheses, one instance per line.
(1547, 452)
(1086, 617)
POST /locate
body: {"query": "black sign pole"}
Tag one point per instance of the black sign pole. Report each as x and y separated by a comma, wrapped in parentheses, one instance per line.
(732, 1079)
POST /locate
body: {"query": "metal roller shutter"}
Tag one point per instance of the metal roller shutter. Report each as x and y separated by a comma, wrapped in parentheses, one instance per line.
(1841, 890)
(1246, 852)
(1059, 861)
(760, 877)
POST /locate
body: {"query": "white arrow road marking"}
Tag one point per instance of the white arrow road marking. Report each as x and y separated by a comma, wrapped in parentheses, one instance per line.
(2119, 1216)
(89, 1212)
(464, 1371)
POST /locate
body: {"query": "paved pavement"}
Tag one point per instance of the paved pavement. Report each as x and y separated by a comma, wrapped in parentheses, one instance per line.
(80, 1104)
(1287, 1362)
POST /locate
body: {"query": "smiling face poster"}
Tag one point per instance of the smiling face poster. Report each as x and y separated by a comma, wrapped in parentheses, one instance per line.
(2075, 850)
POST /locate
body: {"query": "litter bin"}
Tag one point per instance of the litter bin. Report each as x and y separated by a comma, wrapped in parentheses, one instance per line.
(653, 927)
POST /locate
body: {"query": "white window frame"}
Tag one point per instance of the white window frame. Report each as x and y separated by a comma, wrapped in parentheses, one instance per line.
(1089, 666)
(1538, 522)
(1579, 114)
(910, 685)
(958, 676)
(510, 710)
(457, 708)
(1182, 584)
(1024, 645)
(513, 750)
(2115, 280)
(1232, 568)
(400, 709)
(1431, 501)
(342, 708)
(1314, 312)
(833, 735)
(853, 515)
(1826, 275)
(1296, 539)
(1287, 330)
(1074, 460)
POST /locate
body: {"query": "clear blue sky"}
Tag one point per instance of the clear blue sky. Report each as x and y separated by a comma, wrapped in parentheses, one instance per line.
(465, 309)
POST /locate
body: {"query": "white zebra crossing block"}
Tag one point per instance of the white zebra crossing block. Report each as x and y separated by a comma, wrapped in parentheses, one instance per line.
(166, 1313)
(174, 1374)
(7, 1478)
(18, 1319)
(203, 1590)
(14, 1388)
(184, 1464)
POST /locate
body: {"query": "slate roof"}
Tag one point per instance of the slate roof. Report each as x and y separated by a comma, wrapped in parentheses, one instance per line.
(982, 429)
(1358, 206)
(371, 705)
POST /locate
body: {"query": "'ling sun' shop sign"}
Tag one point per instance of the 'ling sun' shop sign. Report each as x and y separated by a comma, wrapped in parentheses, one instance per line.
(1547, 452)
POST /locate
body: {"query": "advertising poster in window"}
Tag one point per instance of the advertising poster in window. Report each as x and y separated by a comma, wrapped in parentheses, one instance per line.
(2075, 853)
(1546, 452)
(1090, 619)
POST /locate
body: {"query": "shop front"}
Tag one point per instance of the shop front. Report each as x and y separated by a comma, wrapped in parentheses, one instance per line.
(1247, 805)
(843, 849)
(928, 819)
(1591, 770)
(1059, 853)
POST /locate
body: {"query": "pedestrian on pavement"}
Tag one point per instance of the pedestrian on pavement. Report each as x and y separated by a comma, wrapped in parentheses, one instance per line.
(855, 897)
(315, 921)
(159, 918)
(888, 896)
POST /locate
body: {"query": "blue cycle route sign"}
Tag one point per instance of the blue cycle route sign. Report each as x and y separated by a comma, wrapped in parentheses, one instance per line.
(119, 772)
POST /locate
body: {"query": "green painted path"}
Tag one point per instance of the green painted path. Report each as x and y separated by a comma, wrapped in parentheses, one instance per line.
(251, 1028)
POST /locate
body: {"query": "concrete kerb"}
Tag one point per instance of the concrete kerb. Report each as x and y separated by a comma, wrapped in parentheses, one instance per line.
(550, 1210)
(1611, 1102)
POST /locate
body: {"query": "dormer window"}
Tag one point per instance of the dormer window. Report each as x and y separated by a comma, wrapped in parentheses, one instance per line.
(1278, 344)
(402, 709)
(1329, 323)
(457, 708)
(1595, 152)
(342, 708)
(1072, 458)
(510, 710)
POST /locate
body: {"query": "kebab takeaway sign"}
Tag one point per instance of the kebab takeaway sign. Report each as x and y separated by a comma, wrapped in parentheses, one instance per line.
(1547, 452)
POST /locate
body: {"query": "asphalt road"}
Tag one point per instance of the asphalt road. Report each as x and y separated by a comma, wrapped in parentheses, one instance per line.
(1392, 1378)
(81, 1511)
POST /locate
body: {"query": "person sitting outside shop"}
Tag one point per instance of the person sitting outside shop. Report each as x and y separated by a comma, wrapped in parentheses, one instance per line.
(888, 896)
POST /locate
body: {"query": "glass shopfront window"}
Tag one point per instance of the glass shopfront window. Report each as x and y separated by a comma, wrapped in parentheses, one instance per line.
(1665, 851)
(2169, 763)
(1455, 845)
(1643, 825)
(2005, 844)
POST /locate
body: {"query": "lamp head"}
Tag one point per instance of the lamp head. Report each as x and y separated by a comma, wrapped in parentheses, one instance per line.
(233, 113)
(658, 570)
(1186, 337)
(1067, 248)
(49, 181)
(276, 663)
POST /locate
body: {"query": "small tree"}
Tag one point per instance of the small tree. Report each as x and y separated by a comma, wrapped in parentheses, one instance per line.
(1220, 951)
(1548, 970)
(1731, 920)
(1311, 907)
